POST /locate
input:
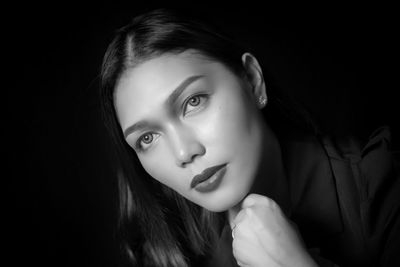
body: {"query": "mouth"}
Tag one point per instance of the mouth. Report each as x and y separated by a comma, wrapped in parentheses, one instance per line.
(209, 179)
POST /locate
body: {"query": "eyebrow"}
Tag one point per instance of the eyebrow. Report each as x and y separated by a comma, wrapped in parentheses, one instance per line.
(170, 100)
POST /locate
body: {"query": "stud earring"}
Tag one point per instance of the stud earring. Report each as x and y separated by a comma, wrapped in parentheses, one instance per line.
(262, 100)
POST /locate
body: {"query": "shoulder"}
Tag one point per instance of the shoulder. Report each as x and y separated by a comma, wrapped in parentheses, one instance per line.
(374, 166)
(368, 184)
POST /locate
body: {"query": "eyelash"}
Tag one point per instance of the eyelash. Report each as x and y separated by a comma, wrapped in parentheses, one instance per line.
(201, 96)
(138, 144)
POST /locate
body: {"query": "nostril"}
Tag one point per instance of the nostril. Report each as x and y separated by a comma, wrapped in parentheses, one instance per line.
(181, 163)
(186, 158)
(187, 149)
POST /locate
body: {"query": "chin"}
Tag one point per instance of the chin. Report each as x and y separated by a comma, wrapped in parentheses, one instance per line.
(224, 203)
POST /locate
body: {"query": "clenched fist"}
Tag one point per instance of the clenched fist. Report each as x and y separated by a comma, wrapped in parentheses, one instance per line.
(263, 236)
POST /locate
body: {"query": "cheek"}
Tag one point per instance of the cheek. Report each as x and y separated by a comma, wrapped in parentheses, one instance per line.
(229, 124)
(159, 165)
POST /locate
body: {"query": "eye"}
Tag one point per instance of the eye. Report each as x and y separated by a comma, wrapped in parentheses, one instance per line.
(147, 138)
(145, 141)
(193, 103)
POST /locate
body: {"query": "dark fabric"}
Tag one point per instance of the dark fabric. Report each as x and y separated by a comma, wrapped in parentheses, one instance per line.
(345, 200)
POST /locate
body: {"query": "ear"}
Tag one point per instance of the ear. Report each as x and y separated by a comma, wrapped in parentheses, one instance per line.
(255, 78)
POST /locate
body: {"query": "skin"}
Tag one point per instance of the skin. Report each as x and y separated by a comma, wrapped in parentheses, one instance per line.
(224, 128)
(215, 120)
(263, 236)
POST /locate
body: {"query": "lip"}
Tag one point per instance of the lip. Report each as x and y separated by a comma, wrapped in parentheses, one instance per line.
(208, 179)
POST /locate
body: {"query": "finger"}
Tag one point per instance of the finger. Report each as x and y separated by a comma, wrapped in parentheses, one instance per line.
(255, 199)
(239, 217)
(249, 253)
(244, 231)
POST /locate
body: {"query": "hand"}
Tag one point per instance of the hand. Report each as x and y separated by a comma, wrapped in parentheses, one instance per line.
(263, 236)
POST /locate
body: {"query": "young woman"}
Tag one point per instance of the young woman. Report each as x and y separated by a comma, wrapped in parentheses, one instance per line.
(218, 168)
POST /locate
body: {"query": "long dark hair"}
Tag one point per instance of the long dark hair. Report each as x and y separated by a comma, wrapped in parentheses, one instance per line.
(158, 227)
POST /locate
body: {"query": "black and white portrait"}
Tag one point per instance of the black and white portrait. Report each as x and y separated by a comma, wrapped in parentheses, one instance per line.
(147, 135)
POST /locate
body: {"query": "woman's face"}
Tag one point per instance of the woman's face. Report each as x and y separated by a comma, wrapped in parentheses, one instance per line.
(184, 115)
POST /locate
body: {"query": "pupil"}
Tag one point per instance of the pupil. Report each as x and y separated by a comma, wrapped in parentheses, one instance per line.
(194, 100)
(147, 138)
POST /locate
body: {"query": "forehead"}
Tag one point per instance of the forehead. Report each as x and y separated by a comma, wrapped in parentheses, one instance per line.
(161, 71)
(148, 85)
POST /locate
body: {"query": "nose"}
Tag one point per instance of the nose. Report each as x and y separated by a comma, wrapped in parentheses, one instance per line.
(186, 146)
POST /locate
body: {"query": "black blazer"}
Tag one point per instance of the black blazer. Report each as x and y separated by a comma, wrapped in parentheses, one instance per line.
(345, 200)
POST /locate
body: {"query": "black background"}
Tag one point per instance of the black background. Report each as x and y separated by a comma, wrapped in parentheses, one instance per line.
(338, 61)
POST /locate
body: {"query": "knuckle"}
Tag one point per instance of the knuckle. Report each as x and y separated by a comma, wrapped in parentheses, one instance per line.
(240, 216)
(238, 228)
(248, 211)
(270, 203)
(253, 199)
(236, 221)
(249, 200)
